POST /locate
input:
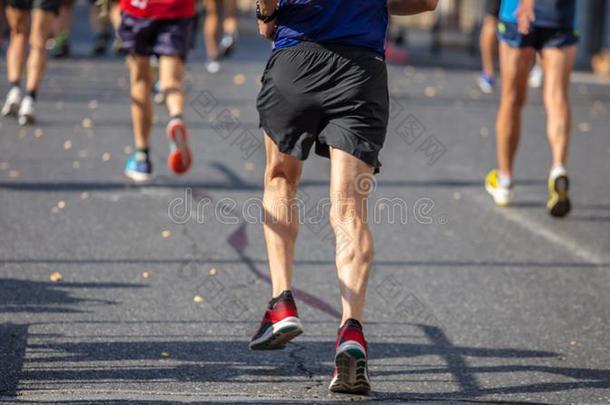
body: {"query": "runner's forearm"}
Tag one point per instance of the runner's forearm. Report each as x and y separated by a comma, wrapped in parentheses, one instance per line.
(410, 7)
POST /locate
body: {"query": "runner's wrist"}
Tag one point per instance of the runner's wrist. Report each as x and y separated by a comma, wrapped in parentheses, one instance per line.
(266, 10)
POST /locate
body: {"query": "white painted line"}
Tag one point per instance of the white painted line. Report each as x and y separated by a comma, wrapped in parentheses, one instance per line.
(537, 228)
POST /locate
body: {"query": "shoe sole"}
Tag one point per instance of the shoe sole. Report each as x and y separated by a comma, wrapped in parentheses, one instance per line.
(499, 203)
(25, 120)
(486, 89)
(11, 110)
(276, 337)
(180, 151)
(138, 177)
(559, 204)
(352, 375)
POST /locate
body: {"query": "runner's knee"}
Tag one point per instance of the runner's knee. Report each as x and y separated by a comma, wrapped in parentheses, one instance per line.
(37, 44)
(19, 29)
(278, 172)
(513, 99)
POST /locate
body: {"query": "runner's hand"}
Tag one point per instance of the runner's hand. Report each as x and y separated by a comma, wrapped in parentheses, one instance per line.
(525, 16)
(267, 30)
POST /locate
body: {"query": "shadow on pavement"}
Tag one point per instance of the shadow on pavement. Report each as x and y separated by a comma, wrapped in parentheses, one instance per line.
(33, 297)
(231, 185)
(213, 361)
(47, 297)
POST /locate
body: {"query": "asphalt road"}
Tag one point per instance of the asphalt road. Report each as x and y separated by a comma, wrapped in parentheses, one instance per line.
(163, 285)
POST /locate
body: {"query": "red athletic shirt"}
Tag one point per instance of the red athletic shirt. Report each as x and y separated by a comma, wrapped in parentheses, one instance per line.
(159, 9)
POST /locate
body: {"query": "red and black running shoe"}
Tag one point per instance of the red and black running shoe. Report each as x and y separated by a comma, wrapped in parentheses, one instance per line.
(279, 325)
(351, 371)
(179, 159)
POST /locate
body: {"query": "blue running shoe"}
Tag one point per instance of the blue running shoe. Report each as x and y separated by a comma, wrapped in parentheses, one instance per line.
(138, 167)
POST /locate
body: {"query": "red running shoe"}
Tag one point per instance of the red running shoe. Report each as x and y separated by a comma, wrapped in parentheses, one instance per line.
(279, 325)
(351, 372)
(179, 159)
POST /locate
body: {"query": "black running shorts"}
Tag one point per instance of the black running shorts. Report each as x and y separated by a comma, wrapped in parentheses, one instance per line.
(492, 8)
(46, 5)
(327, 95)
(161, 37)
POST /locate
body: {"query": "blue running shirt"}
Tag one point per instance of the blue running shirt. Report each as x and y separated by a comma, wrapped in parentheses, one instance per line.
(549, 13)
(360, 23)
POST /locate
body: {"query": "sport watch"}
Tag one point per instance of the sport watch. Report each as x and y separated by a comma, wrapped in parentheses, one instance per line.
(265, 18)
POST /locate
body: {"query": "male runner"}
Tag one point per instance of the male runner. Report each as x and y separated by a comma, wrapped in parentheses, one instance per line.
(163, 28)
(488, 44)
(325, 84)
(528, 27)
(18, 14)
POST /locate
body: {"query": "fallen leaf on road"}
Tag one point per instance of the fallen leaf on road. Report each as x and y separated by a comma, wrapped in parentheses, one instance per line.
(410, 71)
(584, 127)
(61, 204)
(164, 354)
(84, 195)
(56, 277)
(239, 79)
(457, 196)
(68, 144)
(93, 104)
(484, 132)
(106, 156)
(212, 271)
(87, 123)
(38, 132)
(166, 234)
(146, 275)
(55, 210)
(249, 166)
(430, 91)
(83, 153)
(13, 174)
(198, 299)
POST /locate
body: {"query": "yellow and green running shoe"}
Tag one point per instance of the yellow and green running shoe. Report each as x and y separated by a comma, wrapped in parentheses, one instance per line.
(558, 202)
(501, 195)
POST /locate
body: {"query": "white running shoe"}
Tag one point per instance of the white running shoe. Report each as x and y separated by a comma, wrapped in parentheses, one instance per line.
(212, 67)
(486, 83)
(501, 195)
(27, 114)
(535, 78)
(13, 100)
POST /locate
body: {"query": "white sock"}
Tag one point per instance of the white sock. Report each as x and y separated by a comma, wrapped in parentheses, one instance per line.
(504, 181)
(556, 171)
